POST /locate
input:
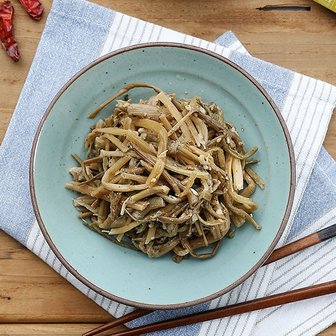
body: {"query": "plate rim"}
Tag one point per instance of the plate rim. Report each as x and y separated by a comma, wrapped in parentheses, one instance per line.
(203, 299)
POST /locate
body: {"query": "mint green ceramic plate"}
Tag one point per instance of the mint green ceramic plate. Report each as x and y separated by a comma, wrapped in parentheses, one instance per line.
(128, 276)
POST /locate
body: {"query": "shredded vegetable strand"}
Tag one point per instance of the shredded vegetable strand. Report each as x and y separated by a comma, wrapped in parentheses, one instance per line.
(164, 175)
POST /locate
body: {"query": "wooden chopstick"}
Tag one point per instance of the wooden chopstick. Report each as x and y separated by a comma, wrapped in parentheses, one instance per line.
(303, 243)
(119, 321)
(240, 308)
(277, 254)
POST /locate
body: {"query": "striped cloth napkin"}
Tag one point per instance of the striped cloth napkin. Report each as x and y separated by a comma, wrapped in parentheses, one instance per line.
(76, 33)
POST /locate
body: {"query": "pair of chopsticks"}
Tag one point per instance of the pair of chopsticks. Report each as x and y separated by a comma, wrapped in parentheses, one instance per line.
(240, 308)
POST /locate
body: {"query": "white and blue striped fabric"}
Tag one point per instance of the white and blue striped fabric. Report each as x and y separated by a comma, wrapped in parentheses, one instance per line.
(76, 33)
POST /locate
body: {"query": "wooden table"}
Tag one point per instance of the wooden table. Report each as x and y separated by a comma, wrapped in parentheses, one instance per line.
(34, 300)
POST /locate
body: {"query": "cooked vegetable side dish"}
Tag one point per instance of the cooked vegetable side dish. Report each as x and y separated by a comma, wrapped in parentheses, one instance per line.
(165, 175)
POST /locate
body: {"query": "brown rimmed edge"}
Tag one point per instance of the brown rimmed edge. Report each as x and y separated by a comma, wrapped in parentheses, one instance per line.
(203, 299)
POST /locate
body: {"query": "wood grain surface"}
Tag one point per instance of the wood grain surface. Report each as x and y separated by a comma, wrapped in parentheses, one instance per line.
(35, 300)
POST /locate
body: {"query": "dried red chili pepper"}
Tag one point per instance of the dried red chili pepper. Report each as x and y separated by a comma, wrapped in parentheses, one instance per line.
(7, 30)
(33, 7)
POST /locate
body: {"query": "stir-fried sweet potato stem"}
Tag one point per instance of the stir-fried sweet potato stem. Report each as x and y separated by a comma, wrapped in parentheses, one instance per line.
(165, 175)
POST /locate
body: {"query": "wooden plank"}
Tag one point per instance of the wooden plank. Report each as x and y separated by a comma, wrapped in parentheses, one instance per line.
(30, 291)
(331, 331)
(38, 329)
